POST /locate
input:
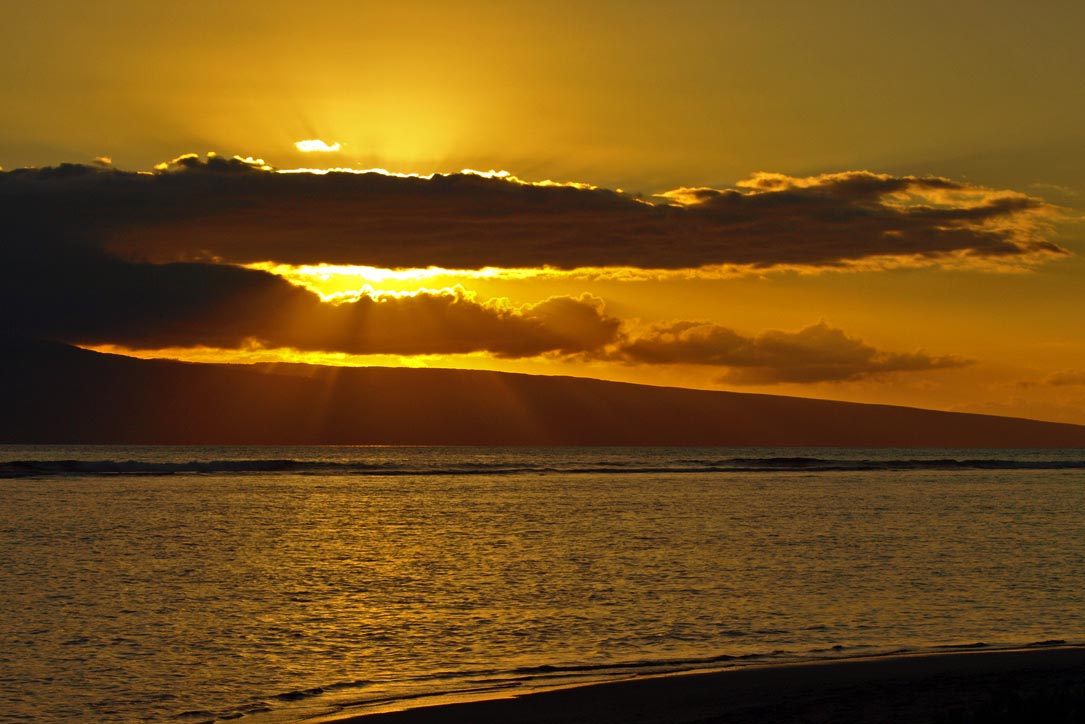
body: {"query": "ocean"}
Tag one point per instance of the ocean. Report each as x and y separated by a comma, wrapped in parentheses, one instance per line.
(201, 584)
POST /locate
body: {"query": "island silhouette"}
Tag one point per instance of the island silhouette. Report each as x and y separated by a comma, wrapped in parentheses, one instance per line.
(62, 394)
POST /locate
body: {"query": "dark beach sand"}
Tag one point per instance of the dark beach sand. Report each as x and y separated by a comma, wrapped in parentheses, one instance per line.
(1025, 685)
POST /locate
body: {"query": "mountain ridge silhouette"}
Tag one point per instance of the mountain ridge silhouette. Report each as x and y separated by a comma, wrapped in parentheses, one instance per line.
(66, 395)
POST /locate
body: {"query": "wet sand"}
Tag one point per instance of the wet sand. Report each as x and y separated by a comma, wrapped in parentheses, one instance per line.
(1024, 685)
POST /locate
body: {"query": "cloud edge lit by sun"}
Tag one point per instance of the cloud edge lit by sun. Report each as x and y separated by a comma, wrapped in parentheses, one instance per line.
(316, 145)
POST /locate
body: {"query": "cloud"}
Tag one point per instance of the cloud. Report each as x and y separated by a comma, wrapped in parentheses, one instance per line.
(818, 353)
(317, 145)
(91, 298)
(1065, 378)
(87, 296)
(240, 211)
(94, 255)
(1061, 378)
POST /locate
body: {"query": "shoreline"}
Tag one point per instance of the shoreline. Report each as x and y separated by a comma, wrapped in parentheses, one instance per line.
(1001, 685)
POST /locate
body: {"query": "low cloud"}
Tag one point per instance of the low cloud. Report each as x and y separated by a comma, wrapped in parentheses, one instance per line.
(89, 297)
(241, 211)
(317, 145)
(1061, 378)
(1065, 378)
(95, 299)
(94, 255)
(818, 353)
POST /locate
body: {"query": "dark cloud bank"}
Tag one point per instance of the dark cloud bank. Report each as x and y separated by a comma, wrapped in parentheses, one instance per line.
(816, 354)
(230, 210)
(99, 300)
(95, 255)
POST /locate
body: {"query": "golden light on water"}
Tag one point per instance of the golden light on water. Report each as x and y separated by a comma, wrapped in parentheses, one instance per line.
(766, 214)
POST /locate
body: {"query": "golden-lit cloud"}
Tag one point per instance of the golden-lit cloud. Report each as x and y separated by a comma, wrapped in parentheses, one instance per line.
(332, 281)
(254, 352)
(317, 146)
(91, 298)
(239, 210)
(818, 353)
(225, 253)
(192, 161)
(71, 293)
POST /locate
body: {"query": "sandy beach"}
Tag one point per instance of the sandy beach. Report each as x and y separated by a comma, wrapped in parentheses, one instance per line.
(1024, 685)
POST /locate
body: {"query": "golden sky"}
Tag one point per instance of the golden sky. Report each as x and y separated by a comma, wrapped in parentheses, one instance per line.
(863, 201)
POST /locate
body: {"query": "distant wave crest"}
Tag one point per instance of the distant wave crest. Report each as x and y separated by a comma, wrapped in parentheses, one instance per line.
(52, 468)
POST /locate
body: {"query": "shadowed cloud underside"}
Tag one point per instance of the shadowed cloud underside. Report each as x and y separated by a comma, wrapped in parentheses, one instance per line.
(235, 210)
(145, 261)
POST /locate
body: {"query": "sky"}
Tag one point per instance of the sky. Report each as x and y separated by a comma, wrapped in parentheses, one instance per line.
(860, 201)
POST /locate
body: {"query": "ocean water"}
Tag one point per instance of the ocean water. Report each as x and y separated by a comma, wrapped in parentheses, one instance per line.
(271, 584)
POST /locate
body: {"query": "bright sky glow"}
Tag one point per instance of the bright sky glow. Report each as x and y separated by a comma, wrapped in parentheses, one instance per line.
(316, 145)
(728, 99)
